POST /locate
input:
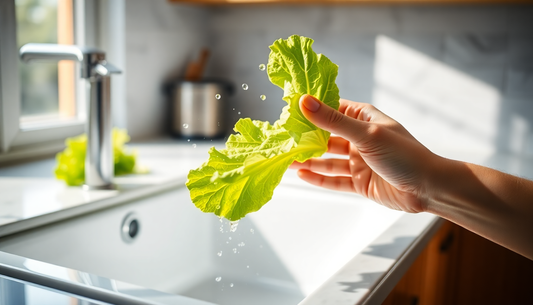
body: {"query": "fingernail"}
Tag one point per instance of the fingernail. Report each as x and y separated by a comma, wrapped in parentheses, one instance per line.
(310, 103)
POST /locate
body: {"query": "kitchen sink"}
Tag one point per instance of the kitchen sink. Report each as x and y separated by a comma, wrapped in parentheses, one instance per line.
(278, 255)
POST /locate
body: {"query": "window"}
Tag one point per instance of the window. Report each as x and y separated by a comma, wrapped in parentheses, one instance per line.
(46, 88)
(41, 103)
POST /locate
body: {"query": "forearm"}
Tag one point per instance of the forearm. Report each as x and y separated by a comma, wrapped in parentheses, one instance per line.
(490, 203)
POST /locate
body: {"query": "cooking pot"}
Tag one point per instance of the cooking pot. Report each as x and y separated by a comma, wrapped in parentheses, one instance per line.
(199, 108)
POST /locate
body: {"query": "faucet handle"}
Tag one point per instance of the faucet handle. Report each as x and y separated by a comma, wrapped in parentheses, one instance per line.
(50, 51)
(103, 68)
(90, 58)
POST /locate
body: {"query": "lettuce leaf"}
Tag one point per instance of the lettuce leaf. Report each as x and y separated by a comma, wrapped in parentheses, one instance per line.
(71, 161)
(241, 178)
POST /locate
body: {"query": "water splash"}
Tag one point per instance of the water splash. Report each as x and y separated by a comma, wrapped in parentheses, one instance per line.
(233, 225)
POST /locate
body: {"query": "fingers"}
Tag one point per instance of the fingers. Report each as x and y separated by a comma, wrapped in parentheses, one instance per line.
(362, 111)
(338, 145)
(326, 166)
(343, 184)
(332, 120)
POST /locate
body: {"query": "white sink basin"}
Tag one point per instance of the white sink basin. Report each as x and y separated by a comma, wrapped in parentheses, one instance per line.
(278, 255)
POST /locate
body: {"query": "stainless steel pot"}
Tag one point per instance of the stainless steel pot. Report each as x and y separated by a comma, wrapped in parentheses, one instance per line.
(199, 108)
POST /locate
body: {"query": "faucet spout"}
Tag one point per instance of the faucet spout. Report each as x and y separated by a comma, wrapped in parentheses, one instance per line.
(99, 162)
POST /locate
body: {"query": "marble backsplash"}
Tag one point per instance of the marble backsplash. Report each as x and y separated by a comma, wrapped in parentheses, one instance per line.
(455, 76)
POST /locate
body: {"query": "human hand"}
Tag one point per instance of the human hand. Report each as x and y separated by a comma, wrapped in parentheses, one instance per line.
(386, 163)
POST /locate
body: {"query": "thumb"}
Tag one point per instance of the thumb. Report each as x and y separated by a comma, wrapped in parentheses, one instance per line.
(327, 118)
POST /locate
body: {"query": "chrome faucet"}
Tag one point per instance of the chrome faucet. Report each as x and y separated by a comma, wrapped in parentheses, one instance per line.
(99, 163)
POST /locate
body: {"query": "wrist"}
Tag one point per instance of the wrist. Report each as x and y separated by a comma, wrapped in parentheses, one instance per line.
(443, 175)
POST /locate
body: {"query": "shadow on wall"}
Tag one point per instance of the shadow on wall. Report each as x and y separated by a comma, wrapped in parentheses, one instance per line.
(458, 77)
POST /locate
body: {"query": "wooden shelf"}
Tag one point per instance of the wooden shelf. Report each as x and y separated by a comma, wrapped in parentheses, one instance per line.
(344, 2)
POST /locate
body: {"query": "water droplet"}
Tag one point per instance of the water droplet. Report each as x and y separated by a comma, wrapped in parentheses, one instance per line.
(220, 218)
(239, 112)
(217, 96)
(218, 207)
(234, 250)
(188, 140)
(248, 267)
(194, 146)
(233, 109)
(263, 97)
(218, 278)
(229, 238)
(219, 253)
(233, 225)
(221, 229)
(245, 86)
(262, 67)
(231, 285)
(185, 125)
(241, 244)
(252, 231)
(218, 124)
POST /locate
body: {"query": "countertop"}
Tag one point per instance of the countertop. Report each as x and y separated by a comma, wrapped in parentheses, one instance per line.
(32, 197)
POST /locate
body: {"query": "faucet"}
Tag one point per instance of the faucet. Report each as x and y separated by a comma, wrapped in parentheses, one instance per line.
(99, 163)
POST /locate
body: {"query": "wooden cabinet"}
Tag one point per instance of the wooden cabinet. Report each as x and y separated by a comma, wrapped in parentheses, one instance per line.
(460, 267)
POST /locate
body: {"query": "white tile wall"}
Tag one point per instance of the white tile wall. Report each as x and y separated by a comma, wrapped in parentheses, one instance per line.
(160, 38)
(463, 75)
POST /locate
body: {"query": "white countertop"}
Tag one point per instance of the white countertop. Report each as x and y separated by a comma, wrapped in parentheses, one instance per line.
(30, 197)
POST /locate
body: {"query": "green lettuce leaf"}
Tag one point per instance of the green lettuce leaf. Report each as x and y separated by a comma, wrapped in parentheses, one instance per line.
(71, 161)
(241, 178)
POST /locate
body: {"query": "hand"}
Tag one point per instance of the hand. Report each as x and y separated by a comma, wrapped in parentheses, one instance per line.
(386, 163)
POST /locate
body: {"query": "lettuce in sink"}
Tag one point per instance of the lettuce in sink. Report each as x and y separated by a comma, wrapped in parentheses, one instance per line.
(242, 177)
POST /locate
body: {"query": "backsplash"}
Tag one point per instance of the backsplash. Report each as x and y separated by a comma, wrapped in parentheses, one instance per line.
(458, 76)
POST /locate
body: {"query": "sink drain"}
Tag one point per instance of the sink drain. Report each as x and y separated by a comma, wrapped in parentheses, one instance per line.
(130, 227)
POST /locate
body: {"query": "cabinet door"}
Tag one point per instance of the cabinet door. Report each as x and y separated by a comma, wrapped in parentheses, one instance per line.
(427, 281)
(460, 267)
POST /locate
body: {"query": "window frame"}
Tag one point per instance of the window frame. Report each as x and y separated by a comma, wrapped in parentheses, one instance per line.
(30, 140)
